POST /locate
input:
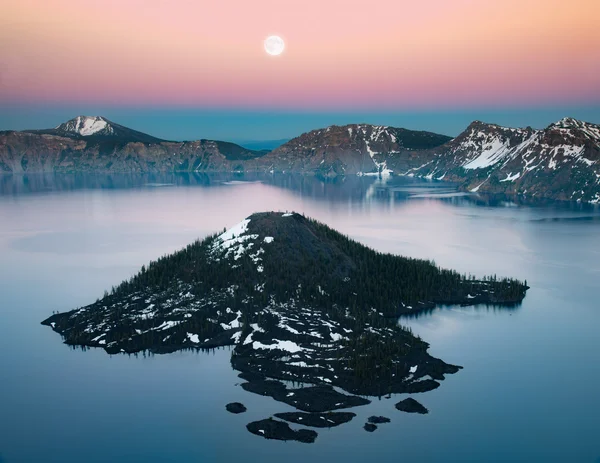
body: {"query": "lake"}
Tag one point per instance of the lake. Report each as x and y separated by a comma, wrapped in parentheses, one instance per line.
(528, 390)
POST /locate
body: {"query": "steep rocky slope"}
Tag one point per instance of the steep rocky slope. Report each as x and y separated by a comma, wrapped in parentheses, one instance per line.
(560, 162)
(351, 149)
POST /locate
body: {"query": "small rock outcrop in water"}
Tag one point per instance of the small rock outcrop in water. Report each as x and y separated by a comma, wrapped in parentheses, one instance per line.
(235, 407)
(317, 420)
(369, 427)
(274, 429)
(378, 419)
(410, 405)
(314, 399)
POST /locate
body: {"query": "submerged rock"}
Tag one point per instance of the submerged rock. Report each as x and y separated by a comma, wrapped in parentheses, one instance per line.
(235, 407)
(274, 429)
(317, 420)
(410, 405)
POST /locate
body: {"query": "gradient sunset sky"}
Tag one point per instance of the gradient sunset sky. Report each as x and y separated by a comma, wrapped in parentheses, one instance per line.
(431, 64)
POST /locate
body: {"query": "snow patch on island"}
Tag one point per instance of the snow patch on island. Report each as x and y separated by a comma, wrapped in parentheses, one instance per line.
(233, 241)
(193, 337)
(234, 323)
(288, 346)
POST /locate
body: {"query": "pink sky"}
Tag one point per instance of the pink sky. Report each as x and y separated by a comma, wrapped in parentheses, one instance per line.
(387, 54)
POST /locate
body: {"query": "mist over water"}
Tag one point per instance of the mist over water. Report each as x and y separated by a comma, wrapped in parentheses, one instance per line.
(528, 390)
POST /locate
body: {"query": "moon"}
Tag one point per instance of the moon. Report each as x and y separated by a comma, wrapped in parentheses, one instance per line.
(274, 45)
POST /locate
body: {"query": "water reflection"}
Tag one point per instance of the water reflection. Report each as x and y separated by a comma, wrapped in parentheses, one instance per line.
(540, 358)
(350, 189)
(465, 309)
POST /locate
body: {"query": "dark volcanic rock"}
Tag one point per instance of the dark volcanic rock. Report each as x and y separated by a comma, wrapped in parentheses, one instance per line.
(410, 405)
(321, 399)
(274, 429)
(317, 420)
(235, 407)
(378, 419)
(315, 399)
(271, 388)
(424, 385)
(369, 427)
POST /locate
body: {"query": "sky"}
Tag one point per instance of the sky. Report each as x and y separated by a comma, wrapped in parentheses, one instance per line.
(183, 69)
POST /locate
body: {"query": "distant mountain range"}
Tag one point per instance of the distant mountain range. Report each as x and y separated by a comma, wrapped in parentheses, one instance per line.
(559, 162)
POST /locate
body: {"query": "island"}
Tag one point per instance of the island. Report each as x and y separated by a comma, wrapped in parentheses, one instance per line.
(279, 430)
(410, 405)
(235, 408)
(378, 419)
(297, 302)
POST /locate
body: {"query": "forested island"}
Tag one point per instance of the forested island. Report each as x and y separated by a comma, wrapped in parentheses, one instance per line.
(298, 301)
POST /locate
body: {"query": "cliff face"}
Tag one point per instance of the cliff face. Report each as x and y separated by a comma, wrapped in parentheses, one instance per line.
(25, 152)
(336, 150)
(351, 149)
(31, 152)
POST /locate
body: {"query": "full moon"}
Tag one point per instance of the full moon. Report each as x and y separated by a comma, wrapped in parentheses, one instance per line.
(274, 45)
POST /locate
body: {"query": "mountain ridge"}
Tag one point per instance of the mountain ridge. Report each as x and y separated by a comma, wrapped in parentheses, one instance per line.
(350, 149)
(559, 162)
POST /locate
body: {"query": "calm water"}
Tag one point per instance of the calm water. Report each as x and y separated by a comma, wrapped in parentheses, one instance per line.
(528, 392)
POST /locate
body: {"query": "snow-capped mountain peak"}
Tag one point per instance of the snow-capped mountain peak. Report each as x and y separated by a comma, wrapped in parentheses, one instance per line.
(578, 128)
(87, 125)
(567, 123)
(561, 161)
(97, 128)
